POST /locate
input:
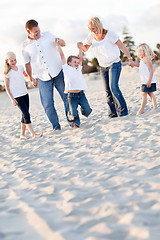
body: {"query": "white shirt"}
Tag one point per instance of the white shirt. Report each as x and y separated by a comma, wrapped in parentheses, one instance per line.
(106, 51)
(144, 73)
(73, 78)
(43, 56)
(17, 82)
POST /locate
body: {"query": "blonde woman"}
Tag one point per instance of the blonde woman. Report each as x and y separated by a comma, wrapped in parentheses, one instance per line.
(147, 75)
(106, 46)
(17, 92)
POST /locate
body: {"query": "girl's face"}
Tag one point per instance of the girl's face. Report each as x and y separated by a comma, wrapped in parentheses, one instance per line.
(74, 63)
(141, 53)
(12, 61)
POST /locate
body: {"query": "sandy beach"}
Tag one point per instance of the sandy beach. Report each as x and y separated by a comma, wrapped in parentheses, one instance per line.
(99, 182)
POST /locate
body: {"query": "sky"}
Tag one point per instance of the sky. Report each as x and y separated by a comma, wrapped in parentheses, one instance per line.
(68, 19)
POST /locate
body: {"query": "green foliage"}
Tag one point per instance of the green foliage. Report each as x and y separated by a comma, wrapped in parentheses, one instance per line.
(130, 45)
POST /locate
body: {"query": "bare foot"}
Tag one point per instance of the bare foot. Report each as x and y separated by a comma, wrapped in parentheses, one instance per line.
(24, 137)
(37, 135)
(155, 108)
(75, 127)
(140, 112)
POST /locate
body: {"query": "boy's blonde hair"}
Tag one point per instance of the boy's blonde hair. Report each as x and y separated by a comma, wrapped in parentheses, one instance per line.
(95, 21)
(7, 67)
(147, 50)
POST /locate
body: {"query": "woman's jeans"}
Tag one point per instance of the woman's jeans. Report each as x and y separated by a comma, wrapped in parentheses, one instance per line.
(115, 99)
(75, 99)
(47, 98)
(23, 104)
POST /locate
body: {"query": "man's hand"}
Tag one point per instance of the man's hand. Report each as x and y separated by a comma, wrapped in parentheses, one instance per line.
(34, 82)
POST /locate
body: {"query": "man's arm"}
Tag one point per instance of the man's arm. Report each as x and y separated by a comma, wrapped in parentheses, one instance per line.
(61, 42)
(29, 72)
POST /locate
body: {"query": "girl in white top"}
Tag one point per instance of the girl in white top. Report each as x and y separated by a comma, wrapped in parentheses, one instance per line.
(74, 85)
(17, 92)
(146, 74)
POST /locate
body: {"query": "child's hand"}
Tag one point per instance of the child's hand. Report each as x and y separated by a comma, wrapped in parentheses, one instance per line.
(34, 82)
(14, 102)
(79, 45)
(148, 84)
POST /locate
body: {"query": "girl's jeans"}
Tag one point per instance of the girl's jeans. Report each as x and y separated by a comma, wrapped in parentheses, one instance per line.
(115, 99)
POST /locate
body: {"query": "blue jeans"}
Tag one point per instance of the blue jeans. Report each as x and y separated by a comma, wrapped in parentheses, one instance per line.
(47, 98)
(75, 99)
(115, 99)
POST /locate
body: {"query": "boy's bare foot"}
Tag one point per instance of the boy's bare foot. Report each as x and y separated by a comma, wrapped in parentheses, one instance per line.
(37, 135)
(24, 137)
(140, 112)
(75, 127)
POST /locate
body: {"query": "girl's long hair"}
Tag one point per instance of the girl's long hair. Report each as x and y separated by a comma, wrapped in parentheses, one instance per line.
(147, 50)
(7, 67)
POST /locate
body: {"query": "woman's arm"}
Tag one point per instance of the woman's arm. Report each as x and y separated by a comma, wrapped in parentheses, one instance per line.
(13, 100)
(125, 51)
(85, 48)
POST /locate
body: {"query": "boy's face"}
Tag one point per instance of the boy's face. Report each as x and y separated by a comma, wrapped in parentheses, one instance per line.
(34, 33)
(74, 63)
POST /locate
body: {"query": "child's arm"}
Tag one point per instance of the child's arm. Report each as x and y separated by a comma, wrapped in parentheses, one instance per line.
(61, 42)
(13, 100)
(136, 64)
(80, 45)
(63, 59)
(148, 62)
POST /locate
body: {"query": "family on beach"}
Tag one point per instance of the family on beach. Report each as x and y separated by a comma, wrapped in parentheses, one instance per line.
(43, 56)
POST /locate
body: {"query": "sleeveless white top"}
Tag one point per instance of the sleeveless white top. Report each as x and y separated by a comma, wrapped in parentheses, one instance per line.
(144, 73)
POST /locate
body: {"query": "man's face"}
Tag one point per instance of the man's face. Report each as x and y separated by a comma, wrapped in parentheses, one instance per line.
(34, 33)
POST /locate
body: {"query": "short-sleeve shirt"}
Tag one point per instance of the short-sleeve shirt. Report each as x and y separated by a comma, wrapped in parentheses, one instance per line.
(17, 82)
(106, 51)
(43, 56)
(73, 78)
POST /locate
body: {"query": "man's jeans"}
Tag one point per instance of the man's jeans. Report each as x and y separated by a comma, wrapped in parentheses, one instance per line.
(75, 99)
(47, 98)
(115, 99)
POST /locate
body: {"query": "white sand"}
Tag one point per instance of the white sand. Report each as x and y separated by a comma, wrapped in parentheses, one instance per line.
(99, 182)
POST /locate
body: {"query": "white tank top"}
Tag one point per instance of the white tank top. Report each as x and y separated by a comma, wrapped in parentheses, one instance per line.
(144, 73)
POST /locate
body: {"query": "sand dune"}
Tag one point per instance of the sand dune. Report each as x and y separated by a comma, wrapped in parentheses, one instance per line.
(99, 182)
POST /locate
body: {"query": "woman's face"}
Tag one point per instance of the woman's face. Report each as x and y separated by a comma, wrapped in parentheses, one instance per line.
(93, 29)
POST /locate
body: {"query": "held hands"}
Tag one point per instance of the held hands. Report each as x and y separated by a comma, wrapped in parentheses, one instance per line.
(131, 63)
(60, 42)
(34, 82)
(80, 45)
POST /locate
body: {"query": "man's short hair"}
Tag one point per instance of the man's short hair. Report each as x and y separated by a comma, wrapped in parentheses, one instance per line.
(30, 24)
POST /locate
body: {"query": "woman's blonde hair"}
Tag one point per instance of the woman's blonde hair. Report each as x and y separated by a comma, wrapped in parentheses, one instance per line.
(95, 21)
(147, 50)
(7, 67)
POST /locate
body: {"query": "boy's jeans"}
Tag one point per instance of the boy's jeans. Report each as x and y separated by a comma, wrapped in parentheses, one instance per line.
(75, 99)
(47, 98)
(115, 99)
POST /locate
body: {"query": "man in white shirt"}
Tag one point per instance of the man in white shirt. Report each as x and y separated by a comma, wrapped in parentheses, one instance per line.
(42, 58)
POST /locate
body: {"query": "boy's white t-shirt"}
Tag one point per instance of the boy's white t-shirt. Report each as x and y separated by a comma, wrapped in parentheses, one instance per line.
(106, 51)
(73, 78)
(17, 82)
(144, 73)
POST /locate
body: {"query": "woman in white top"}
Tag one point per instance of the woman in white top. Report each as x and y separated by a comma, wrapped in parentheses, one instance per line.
(74, 85)
(147, 75)
(17, 92)
(106, 45)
